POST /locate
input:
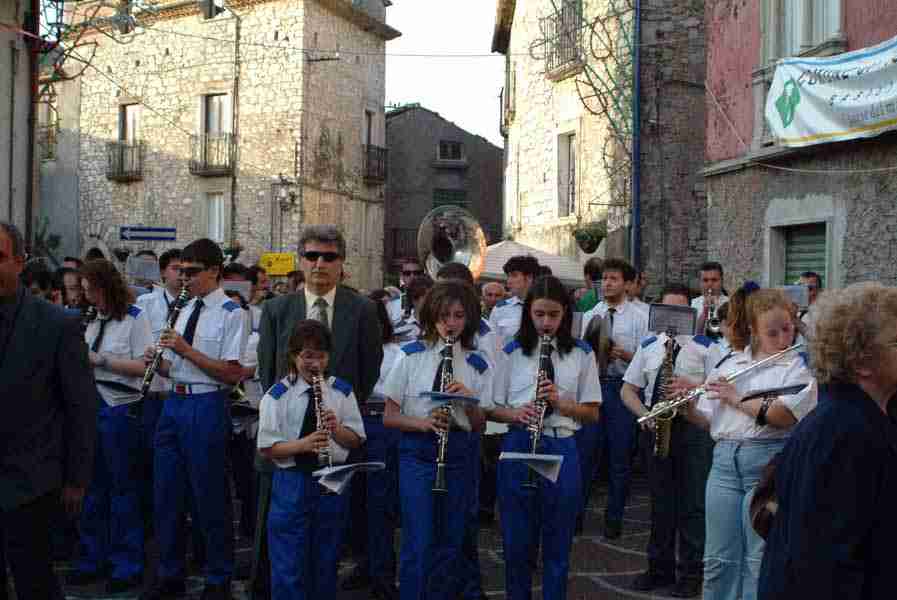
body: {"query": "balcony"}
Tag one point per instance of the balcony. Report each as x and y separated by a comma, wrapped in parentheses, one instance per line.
(374, 164)
(563, 35)
(212, 155)
(124, 161)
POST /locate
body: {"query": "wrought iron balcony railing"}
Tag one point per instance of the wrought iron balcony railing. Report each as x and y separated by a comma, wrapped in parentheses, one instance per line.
(124, 161)
(563, 35)
(374, 163)
(212, 155)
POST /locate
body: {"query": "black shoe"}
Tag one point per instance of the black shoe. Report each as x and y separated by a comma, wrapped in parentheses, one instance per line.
(79, 578)
(117, 586)
(612, 529)
(687, 588)
(578, 530)
(356, 580)
(651, 580)
(487, 518)
(384, 591)
(165, 589)
(216, 591)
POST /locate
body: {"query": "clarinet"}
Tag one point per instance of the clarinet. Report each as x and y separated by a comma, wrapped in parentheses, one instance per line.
(87, 317)
(442, 436)
(173, 314)
(324, 456)
(537, 422)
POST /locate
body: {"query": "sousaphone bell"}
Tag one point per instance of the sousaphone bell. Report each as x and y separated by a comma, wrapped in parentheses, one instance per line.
(451, 234)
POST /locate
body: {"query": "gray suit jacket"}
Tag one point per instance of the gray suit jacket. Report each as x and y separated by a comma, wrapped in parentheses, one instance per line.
(357, 341)
(48, 429)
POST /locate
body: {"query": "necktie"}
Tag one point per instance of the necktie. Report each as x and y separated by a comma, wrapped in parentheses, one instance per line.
(445, 362)
(190, 330)
(99, 339)
(320, 313)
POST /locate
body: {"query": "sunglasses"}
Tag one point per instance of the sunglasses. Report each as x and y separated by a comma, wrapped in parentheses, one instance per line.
(313, 256)
(411, 273)
(191, 271)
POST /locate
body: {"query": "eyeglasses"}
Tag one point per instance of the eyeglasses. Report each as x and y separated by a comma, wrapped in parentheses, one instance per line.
(411, 273)
(191, 271)
(313, 256)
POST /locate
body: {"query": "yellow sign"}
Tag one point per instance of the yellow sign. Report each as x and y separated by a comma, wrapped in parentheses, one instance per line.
(278, 263)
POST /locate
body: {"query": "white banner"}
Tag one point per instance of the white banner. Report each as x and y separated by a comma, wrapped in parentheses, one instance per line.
(848, 96)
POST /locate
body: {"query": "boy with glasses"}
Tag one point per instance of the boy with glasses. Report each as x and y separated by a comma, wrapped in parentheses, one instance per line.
(400, 307)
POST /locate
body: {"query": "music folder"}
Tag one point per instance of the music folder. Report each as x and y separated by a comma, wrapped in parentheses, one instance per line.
(546, 465)
(337, 477)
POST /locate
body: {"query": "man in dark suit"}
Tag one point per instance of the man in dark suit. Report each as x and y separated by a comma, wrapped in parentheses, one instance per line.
(357, 344)
(48, 434)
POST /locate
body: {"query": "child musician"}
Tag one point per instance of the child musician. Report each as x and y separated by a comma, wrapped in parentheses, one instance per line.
(433, 523)
(572, 395)
(306, 524)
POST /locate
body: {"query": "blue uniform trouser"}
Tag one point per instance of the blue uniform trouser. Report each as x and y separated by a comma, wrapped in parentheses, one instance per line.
(305, 532)
(111, 523)
(149, 417)
(614, 433)
(191, 454)
(433, 524)
(473, 584)
(382, 498)
(546, 514)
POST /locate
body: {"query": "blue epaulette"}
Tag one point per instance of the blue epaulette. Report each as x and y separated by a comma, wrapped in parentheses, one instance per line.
(277, 390)
(806, 357)
(648, 341)
(484, 327)
(414, 347)
(72, 312)
(501, 303)
(230, 306)
(477, 362)
(133, 311)
(511, 346)
(583, 345)
(341, 385)
(703, 340)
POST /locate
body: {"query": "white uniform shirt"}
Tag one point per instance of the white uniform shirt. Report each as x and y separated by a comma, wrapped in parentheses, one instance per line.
(252, 388)
(156, 305)
(729, 423)
(126, 339)
(486, 340)
(716, 353)
(630, 328)
(698, 303)
(690, 362)
(221, 334)
(394, 310)
(505, 320)
(283, 409)
(391, 354)
(406, 330)
(416, 368)
(575, 376)
(311, 311)
(642, 306)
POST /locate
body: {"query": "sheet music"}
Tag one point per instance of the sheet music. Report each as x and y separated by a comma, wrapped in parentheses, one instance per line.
(546, 465)
(672, 319)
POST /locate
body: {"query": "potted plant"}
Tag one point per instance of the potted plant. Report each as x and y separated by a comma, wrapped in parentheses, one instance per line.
(589, 236)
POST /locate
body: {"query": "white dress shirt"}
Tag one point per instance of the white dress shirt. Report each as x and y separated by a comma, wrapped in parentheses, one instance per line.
(690, 362)
(125, 340)
(698, 303)
(630, 328)
(156, 305)
(311, 298)
(505, 320)
(391, 354)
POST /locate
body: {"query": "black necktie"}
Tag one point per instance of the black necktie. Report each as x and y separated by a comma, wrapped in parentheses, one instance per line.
(445, 362)
(99, 339)
(192, 321)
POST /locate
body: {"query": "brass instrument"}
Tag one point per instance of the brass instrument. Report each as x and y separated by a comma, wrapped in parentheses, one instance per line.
(686, 397)
(324, 456)
(451, 234)
(713, 327)
(173, 314)
(599, 335)
(537, 423)
(664, 422)
(439, 486)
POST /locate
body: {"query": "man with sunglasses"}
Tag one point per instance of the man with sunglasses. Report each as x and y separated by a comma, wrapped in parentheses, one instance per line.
(355, 356)
(202, 359)
(411, 268)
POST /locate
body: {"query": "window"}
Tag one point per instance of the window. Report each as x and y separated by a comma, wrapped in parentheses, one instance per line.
(47, 125)
(368, 128)
(795, 27)
(563, 36)
(211, 8)
(129, 123)
(217, 111)
(442, 197)
(215, 216)
(805, 250)
(566, 174)
(451, 150)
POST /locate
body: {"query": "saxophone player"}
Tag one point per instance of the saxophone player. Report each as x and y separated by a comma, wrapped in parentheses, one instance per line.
(305, 525)
(568, 391)
(676, 481)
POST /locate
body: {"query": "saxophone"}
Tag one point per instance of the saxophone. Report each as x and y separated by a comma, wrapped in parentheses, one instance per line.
(537, 423)
(324, 456)
(664, 423)
(448, 377)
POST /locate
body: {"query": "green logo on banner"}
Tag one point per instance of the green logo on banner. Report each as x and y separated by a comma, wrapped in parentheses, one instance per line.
(788, 101)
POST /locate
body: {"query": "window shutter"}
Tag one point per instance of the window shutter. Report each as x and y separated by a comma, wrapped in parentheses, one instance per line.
(227, 117)
(804, 251)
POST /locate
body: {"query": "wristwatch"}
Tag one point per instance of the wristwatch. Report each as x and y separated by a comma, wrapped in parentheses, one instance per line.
(761, 414)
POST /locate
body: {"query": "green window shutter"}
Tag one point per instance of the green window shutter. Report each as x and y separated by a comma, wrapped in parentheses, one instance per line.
(442, 197)
(804, 251)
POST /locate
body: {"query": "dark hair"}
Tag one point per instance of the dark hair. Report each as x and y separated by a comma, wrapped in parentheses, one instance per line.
(205, 252)
(723, 311)
(676, 289)
(252, 273)
(37, 272)
(93, 254)
(547, 287)
(75, 260)
(544, 270)
(15, 236)
(325, 234)
(61, 272)
(308, 334)
(235, 269)
(621, 266)
(712, 265)
(103, 276)
(455, 270)
(299, 276)
(419, 286)
(147, 252)
(593, 268)
(528, 265)
(809, 274)
(410, 260)
(168, 256)
(382, 314)
(439, 298)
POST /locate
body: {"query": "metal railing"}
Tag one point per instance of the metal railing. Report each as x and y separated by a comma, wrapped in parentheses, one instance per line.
(124, 161)
(212, 155)
(563, 36)
(374, 163)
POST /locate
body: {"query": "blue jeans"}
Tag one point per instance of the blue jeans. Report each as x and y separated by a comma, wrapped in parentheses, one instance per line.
(733, 551)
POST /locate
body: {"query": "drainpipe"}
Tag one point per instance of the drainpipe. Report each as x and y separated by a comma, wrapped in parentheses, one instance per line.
(33, 54)
(235, 120)
(636, 220)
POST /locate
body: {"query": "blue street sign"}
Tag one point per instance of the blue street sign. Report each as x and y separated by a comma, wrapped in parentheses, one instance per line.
(132, 233)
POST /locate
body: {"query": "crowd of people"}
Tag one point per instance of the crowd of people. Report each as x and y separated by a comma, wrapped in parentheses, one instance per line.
(152, 405)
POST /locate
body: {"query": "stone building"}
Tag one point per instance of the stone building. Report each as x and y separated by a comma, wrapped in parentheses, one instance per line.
(433, 162)
(240, 120)
(567, 120)
(775, 211)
